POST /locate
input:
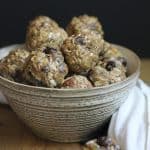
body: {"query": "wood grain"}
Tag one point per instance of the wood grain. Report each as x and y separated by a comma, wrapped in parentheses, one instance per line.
(14, 135)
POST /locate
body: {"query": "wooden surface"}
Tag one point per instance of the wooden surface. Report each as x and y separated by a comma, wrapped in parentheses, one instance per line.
(145, 70)
(14, 135)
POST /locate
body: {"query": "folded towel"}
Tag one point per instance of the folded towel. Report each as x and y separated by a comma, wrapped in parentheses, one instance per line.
(130, 125)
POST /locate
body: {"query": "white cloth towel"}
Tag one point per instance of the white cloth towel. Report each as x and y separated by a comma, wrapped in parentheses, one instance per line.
(130, 125)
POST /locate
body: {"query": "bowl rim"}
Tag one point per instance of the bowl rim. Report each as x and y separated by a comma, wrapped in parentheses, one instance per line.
(130, 77)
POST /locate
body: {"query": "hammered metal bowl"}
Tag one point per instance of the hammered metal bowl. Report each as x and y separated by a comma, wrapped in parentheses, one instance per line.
(69, 115)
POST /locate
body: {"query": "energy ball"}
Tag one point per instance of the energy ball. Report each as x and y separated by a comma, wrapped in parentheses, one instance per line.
(84, 24)
(81, 52)
(102, 143)
(76, 81)
(109, 51)
(107, 72)
(12, 65)
(44, 32)
(46, 68)
(99, 76)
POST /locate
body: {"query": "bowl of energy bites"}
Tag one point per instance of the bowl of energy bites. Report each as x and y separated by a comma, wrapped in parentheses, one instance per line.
(65, 85)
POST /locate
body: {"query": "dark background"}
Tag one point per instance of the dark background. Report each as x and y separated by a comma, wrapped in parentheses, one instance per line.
(126, 22)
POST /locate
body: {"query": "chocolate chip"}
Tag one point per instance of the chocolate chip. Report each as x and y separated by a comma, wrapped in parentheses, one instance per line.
(104, 141)
(49, 50)
(123, 61)
(102, 53)
(17, 76)
(110, 65)
(80, 40)
(45, 69)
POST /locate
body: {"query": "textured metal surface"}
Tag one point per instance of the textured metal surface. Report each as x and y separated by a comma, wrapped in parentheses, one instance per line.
(69, 115)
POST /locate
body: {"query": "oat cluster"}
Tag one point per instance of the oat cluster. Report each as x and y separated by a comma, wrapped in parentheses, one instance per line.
(76, 58)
